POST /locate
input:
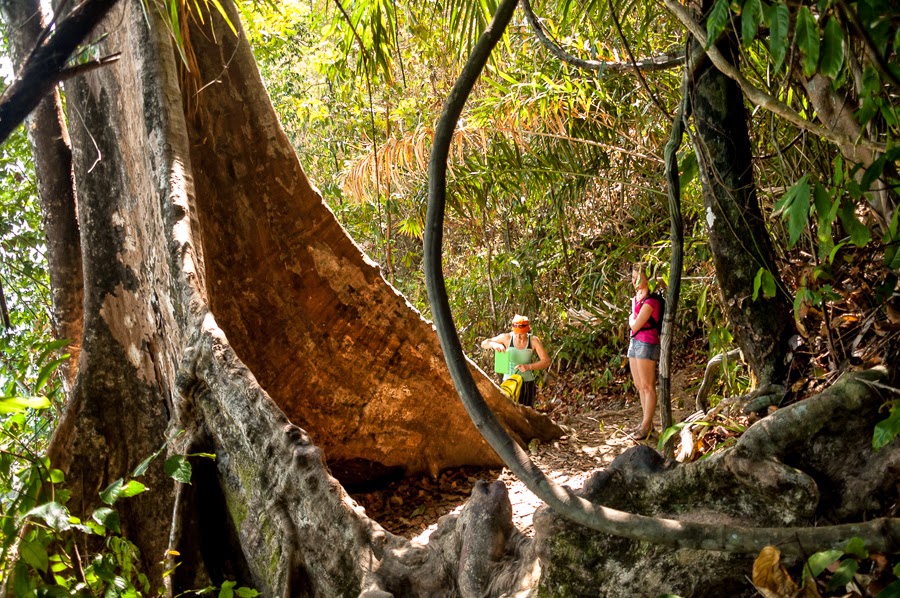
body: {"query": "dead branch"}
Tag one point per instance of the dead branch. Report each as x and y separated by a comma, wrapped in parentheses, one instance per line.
(41, 72)
(712, 368)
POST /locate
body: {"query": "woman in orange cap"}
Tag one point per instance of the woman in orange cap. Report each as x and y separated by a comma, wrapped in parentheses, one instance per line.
(521, 346)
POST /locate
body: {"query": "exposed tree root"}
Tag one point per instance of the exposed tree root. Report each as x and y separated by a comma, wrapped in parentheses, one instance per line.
(302, 532)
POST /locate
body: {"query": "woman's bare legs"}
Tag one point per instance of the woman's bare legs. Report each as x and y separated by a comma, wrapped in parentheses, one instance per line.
(636, 376)
(644, 373)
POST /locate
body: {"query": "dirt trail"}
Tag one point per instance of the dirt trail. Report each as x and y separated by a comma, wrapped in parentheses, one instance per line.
(412, 507)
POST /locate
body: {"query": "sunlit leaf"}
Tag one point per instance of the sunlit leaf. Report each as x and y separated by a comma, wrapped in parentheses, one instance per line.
(132, 488)
(227, 589)
(224, 15)
(107, 518)
(53, 514)
(17, 404)
(178, 468)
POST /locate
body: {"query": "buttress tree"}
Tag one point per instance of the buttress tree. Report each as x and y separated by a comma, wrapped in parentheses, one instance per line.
(203, 245)
(226, 312)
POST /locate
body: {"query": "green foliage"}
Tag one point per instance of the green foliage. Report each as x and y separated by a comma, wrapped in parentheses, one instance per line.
(794, 207)
(174, 12)
(847, 563)
(888, 429)
(807, 38)
(716, 22)
(832, 58)
(553, 189)
(24, 279)
(751, 17)
(533, 195)
(40, 534)
(836, 207)
(778, 18)
(764, 281)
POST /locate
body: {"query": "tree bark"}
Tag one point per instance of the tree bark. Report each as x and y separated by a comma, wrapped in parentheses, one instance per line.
(52, 153)
(738, 238)
(195, 211)
(339, 349)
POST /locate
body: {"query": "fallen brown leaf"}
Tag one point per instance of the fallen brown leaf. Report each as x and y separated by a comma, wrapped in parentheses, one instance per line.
(770, 577)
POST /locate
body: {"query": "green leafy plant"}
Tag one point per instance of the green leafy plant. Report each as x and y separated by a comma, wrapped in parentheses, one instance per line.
(887, 429)
(842, 567)
(40, 535)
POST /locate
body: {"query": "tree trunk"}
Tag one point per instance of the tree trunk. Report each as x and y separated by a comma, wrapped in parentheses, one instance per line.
(738, 237)
(196, 215)
(339, 350)
(837, 113)
(224, 300)
(49, 141)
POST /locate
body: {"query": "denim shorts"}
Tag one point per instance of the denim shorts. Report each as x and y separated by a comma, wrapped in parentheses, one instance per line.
(641, 350)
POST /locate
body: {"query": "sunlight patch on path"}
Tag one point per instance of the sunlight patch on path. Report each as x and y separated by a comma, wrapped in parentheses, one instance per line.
(569, 462)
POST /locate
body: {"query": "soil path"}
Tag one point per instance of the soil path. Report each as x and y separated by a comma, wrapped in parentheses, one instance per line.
(412, 507)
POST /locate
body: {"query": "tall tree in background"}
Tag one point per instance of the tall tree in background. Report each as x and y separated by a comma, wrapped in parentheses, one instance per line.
(205, 247)
(738, 238)
(53, 165)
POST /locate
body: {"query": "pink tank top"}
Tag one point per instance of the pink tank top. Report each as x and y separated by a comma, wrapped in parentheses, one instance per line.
(648, 334)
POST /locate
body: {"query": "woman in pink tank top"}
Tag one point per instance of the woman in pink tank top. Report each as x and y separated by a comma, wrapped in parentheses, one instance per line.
(643, 350)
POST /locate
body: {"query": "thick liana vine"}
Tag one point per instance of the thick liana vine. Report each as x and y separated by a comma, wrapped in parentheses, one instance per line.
(881, 534)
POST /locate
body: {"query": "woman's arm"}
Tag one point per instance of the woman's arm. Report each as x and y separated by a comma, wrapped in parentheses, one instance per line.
(497, 343)
(638, 322)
